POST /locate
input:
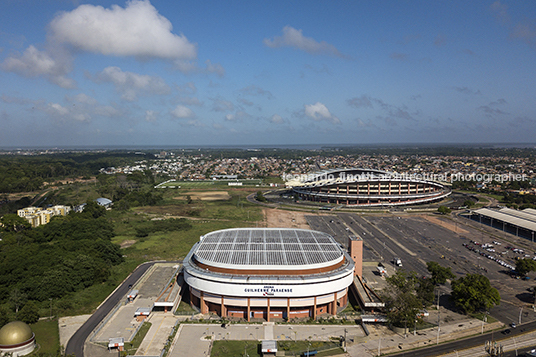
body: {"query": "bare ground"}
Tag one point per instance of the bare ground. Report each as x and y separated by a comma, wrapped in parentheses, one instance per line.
(206, 196)
(276, 218)
(445, 224)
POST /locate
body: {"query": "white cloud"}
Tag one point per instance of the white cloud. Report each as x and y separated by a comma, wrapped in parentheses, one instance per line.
(238, 116)
(151, 116)
(82, 99)
(277, 119)
(136, 30)
(215, 68)
(33, 63)
(319, 111)
(294, 38)
(61, 113)
(182, 112)
(130, 85)
(56, 109)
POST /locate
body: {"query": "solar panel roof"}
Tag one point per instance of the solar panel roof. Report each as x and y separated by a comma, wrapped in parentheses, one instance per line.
(268, 248)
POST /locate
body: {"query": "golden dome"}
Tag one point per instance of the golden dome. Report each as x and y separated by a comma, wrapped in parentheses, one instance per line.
(14, 333)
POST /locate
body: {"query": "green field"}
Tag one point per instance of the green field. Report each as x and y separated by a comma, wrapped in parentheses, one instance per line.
(47, 336)
(228, 348)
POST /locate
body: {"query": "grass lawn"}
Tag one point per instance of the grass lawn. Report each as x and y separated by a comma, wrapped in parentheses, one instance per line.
(131, 347)
(298, 347)
(47, 336)
(228, 348)
(235, 348)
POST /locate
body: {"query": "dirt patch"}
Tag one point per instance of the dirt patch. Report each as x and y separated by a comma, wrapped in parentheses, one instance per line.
(207, 196)
(276, 218)
(448, 225)
(127, 243)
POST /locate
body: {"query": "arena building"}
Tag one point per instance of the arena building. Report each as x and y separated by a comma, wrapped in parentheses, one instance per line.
(270, 273)
(365, 187)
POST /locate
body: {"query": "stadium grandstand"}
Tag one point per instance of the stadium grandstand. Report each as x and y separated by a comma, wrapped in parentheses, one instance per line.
(367, 188)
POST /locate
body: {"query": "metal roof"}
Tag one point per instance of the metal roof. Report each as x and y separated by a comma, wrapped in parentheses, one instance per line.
(511, 216)
(246, 248)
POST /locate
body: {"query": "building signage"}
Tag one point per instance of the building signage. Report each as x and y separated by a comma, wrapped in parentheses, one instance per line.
(268, 290)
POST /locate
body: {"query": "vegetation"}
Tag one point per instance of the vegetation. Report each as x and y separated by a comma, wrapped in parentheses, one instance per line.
(443, 210)
(47, 336)
(29, 173)
(439, 274)
(474, 293)
(224, 348)
(48, 262)
(402, 302)
(260, 197)
(524, 266)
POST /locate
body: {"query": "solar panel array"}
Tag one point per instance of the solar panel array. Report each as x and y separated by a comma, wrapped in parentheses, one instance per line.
(279, 247)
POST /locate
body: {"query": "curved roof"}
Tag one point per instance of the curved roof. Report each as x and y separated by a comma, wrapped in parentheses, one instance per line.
(347, 175)
(268, 248)
(15, 332)
(103, 201)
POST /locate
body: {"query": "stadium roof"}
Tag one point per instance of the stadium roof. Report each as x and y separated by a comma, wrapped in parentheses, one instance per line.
(268, 248)
(523, 219)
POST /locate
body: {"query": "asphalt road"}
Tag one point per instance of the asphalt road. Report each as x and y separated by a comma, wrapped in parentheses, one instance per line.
(469, 342)
(75, 346)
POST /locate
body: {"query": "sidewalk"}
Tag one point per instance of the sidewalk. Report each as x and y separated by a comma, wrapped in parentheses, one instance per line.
(386, 341)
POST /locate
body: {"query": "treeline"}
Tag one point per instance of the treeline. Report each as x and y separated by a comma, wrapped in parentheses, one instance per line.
(399, 150)
(27, 173)
(50, 261)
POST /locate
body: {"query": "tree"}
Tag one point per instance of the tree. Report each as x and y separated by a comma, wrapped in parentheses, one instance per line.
(17, 298)
(473, 293)
(401, 300)
(468, 203)
(260, 197)
(524, 266)
(4, 316)
(425, 291)
(443, 210)
(14, 223)
(29, 313)
(439, 273)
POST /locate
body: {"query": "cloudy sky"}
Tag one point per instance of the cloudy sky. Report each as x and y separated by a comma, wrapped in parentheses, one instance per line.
(172, 72)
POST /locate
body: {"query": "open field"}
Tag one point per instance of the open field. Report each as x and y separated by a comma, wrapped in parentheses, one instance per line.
(275, 218)
(206, 196)
(47, 336)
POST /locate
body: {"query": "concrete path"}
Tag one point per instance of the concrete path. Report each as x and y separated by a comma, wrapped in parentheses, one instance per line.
(156, 338)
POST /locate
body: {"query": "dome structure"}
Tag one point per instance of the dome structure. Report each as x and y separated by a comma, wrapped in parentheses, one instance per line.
(17, 338)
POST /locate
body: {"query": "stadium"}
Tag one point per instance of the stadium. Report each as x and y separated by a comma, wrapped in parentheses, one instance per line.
(367, 188)
(270, 273)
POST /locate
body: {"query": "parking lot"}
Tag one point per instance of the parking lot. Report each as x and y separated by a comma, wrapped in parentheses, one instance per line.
(416, 240)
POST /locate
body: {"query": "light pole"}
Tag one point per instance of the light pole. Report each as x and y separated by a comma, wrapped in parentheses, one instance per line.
(379, 346)
(50, 308)
(520, 311)
(345, 331)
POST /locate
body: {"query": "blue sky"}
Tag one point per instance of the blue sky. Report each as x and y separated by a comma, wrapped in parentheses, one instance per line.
(165, 72)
